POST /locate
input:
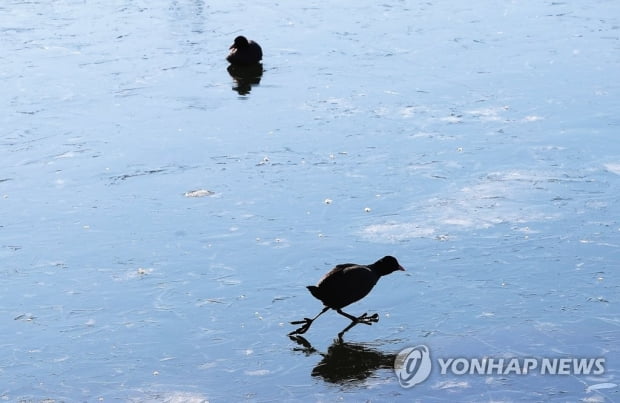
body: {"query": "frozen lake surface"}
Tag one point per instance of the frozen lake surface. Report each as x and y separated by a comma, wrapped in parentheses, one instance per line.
(160, 221)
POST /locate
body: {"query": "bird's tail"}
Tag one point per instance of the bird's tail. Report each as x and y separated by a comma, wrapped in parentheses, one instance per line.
(314, 290)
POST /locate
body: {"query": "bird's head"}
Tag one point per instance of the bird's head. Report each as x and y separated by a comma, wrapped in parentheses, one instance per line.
(387, 265)
(240, 42)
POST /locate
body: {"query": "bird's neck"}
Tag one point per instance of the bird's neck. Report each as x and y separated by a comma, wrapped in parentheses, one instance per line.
(377, 269)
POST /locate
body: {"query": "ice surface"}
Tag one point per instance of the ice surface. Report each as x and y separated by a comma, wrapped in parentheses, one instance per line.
(159, 227)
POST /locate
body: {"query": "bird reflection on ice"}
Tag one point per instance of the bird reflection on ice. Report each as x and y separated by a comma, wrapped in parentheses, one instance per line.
(346, 363)
(245, 77)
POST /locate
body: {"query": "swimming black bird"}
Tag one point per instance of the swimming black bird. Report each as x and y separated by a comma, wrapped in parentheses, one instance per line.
(345, 284)
(244, 52)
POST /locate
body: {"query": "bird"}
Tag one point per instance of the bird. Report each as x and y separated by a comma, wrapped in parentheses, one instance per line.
(345, 284)
(244, 52)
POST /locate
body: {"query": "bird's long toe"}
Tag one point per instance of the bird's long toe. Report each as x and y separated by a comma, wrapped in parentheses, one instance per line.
(368, 320)
(303, 329)
(299, 322)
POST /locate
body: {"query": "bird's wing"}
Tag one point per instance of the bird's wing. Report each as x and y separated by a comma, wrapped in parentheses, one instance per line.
(335, 273)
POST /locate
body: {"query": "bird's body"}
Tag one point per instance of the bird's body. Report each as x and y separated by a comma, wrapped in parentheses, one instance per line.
(244, 52)
(346, 284)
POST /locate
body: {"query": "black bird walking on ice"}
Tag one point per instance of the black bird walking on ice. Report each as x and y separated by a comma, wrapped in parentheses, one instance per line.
(346, 284)
(244, 52)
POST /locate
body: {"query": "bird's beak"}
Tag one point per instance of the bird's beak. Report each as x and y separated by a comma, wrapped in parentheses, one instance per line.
(232, 46)
(401, 268)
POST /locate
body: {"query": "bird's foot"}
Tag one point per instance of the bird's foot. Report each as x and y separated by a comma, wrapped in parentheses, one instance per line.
(368, 320)
(306, 325)
(299, 322)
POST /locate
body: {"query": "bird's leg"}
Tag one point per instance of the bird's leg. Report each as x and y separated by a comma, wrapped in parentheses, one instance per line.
(364, 318)
(353, 318)
(307, 322)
